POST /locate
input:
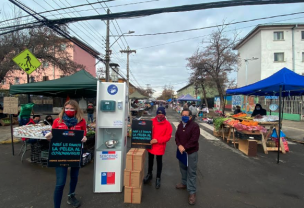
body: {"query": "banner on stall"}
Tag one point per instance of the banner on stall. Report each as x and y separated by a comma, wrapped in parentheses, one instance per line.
(141, 134)
(65, 148)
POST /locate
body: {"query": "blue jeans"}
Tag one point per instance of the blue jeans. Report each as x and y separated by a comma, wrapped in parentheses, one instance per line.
(90, 117)
(61, 175)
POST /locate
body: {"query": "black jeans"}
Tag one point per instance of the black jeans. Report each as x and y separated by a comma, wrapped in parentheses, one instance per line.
(159, 160)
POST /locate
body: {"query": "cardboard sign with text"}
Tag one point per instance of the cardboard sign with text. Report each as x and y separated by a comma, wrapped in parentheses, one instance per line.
(141, 134)
(10, 105)
(65, 148)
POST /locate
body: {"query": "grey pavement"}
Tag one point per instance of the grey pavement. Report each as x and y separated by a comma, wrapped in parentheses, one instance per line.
(225, 178)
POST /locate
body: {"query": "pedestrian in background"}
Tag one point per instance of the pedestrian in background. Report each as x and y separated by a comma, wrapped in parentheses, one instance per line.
(186, 138)
(193, 110)
(162, 131)
(90, 112)
(71, 117)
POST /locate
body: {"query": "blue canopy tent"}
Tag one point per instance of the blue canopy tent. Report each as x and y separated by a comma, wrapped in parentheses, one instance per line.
(292, 84)
(282, 83)
(188, 98)
(169, 100)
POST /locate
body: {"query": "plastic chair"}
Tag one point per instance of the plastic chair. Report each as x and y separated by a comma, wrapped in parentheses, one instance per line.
(24, 148)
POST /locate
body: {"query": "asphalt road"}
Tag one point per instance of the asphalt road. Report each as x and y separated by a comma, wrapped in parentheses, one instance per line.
(226, 178)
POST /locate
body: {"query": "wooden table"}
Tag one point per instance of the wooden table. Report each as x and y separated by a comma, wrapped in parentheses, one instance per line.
(268, 125)
(230, 133)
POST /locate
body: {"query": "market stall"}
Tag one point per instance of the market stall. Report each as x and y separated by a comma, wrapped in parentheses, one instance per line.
(283, 83)
(137, 109)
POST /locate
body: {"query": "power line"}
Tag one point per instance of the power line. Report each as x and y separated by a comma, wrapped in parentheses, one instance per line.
(69, 28)
(225, 24)
(79, 10)
(184, 8)
(87, 24)
(113, 25)
(209, 35)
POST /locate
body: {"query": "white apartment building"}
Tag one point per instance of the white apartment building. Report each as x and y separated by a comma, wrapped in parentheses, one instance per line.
(267, 49)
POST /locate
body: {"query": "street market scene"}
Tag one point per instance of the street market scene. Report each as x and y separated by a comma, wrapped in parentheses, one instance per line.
(99, 108)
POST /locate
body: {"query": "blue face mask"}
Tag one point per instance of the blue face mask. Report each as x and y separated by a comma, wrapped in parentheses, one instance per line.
(185, 119)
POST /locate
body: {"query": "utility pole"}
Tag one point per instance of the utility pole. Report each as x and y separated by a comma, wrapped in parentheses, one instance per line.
(108, 48)
(128, 51)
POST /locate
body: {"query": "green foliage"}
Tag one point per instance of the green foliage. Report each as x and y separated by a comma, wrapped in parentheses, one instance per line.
(217, 122)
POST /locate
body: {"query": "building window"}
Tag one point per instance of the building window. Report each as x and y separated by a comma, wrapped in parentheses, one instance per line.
(45, 64)
(278, 35)
(32, 79)
(278, 57)
(17, 80)
(63, 46)
(302, 35)
(303, 56)
(45, 78)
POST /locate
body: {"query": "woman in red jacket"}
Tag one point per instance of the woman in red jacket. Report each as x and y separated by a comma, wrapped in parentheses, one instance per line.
(161, 134)
(71, 117)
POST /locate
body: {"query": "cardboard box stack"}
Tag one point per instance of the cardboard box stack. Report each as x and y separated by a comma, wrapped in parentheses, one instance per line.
(133, 175)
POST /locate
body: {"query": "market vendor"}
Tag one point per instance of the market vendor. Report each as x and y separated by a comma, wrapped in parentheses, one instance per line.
(237, 110)
(258, 110)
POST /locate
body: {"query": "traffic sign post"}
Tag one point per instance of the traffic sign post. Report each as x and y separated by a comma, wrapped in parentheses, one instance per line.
(27, 61)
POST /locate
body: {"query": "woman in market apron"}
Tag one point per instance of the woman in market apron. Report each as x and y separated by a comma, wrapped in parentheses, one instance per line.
(71, 117)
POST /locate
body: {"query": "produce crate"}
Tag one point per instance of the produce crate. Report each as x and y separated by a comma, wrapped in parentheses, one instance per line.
(5, 122)
(217, 133)
(247, 134)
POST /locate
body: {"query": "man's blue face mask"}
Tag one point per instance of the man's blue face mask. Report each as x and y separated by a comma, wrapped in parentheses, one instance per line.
(185, 119)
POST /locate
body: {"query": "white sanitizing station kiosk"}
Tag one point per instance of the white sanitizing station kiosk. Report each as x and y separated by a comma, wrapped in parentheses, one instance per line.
(111, 124)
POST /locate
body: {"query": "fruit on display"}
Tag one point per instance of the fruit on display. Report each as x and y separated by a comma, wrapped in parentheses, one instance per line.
(242, 127)
(250, 123)
(231, 122)
(258, 116)
(239, 115)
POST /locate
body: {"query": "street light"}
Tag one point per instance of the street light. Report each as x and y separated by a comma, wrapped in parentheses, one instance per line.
(246, 63)
(130, 32)
(107, 56)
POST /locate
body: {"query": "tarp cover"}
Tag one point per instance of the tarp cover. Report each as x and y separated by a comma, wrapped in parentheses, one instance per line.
(80, 84)
(188, 98)
(137, 95)
(291, 82)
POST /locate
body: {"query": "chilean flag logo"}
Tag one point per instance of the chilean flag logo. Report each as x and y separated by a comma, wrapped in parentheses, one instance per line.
(107, 178)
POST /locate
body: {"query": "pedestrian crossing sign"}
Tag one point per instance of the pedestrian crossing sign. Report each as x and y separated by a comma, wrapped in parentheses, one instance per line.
(27, 61)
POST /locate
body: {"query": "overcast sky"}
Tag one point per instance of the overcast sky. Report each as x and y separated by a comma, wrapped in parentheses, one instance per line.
(164, 64)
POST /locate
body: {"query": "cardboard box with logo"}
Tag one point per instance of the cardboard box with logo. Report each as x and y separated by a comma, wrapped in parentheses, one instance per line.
(133, 175)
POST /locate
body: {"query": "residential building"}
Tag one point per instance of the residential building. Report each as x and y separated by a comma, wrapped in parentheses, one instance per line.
(267, 49)
(50, 71)
(198, 92)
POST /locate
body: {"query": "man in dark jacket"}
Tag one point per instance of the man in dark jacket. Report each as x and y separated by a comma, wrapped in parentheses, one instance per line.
(90, 111)
(186, 138)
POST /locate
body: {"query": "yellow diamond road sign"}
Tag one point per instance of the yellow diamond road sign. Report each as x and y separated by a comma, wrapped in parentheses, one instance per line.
(27, 61)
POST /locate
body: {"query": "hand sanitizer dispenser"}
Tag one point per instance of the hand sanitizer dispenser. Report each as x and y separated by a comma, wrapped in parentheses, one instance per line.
(108, 105)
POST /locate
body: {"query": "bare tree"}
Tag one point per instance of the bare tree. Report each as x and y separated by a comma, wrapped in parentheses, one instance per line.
(44, 43)
(167, 93)
(201, 80)
(216, 60)
(147, 92)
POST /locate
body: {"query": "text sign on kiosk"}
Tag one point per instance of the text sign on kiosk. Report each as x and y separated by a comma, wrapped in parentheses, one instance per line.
(65, 148)
(141, 134)
(107, 105)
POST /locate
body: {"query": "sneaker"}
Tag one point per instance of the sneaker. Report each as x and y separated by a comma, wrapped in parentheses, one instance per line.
(73, 201)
